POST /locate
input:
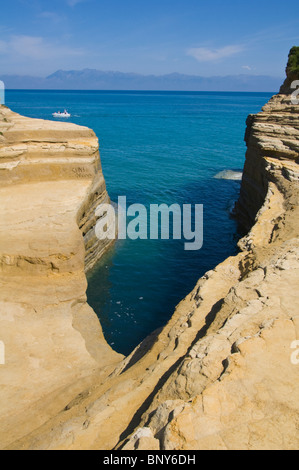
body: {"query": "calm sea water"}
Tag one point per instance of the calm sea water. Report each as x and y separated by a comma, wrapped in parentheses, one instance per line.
(157, 148)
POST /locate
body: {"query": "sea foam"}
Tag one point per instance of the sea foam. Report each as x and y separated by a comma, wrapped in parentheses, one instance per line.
(235, 175)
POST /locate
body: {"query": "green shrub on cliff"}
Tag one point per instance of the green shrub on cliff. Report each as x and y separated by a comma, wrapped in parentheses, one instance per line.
(293, 63)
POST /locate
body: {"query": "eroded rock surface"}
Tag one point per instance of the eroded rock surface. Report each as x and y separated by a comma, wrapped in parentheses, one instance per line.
(50, 181)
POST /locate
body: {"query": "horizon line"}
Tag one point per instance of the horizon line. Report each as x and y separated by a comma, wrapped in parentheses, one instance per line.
(138, 91)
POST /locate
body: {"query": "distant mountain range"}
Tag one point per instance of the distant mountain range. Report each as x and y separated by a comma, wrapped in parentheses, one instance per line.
(89, 79)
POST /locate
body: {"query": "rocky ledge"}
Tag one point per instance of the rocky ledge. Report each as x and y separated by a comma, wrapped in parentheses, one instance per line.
(223, 373)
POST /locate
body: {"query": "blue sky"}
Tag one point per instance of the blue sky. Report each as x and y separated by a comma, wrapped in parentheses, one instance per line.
(201, 37)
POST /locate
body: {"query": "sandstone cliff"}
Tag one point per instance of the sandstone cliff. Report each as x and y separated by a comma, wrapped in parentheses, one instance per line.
(50, 182)
(219, 375)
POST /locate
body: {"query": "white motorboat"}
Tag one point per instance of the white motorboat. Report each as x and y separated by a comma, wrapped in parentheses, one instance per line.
(65, 114)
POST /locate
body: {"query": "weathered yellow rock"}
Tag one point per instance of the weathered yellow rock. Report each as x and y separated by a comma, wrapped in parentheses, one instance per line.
(53, 340)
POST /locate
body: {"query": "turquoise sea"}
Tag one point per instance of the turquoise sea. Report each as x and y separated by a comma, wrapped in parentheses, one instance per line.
(157, 147)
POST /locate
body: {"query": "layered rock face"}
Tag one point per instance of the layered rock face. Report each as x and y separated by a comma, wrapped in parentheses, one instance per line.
(271, 137)
(223, 373)
(50, 182)
(35, 151)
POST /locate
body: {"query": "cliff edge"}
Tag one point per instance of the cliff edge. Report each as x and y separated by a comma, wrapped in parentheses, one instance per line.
(50, 183)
